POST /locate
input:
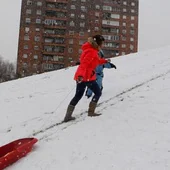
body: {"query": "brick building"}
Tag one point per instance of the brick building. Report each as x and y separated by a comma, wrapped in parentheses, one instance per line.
(52, 31)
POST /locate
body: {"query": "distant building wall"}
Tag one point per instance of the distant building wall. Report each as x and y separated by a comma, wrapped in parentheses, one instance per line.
(53, 31)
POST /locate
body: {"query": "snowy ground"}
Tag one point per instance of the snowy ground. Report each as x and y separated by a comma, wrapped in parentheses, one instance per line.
(132, 133)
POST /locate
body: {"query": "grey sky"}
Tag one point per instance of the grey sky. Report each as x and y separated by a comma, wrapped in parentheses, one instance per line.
(154, 26)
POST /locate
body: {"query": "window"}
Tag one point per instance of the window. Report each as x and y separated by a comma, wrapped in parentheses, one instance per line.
(97, 14)
(70, 50)
(39, 3)
(70, 41)
(124, 31)
(132, 25)
(48, 66)
(25, 55)
(113, 38)
(81, 33)
(27, 29)
(114, 30)
(124, 3)
(124, 24)
(59, 40)
(83, 8)
(82, 24)
(115, 16)
(131, 47)
(27, 20)
(58, 58)
(96, 28)
(82, 16)
(107, 8)
(73, 7)
(26, 38)
(131, 39)
(132, 4)
(25, 65)
(111, 44)
(72, 15)
(37, 38)
(123, 45)
(39, 12)
(72, 24)
(35, 57)
(29, 2)
(25, 47)
(132, 17)
(80, 51)
(124, 17)
(61, 58)
(132, 10)
(37, 29)
(71, 32)
(34, 66)
(132, 32)
(38, 21)
(113, 23)
(55, 58)
(48, 48)
(36, 47)
(70, 59)
(97, 6)
(96, 21)
(49, 40)
(81, 42)
(28, 11)
(123, 38)
(124, 10)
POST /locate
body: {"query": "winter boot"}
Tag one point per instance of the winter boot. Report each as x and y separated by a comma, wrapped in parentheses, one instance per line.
(92, 107)
(69, 112)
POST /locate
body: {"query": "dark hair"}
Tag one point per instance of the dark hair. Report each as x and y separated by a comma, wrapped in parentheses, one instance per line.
(98, 39)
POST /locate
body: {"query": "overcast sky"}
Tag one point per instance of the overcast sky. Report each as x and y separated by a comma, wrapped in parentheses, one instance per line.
(154, 26)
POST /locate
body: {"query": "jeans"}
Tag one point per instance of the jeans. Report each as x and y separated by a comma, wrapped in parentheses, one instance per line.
(80, 89)
(99, 80)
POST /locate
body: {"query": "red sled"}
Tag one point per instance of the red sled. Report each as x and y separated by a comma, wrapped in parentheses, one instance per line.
(15, 150)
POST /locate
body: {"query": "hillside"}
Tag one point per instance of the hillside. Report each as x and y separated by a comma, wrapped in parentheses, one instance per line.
(132, 133)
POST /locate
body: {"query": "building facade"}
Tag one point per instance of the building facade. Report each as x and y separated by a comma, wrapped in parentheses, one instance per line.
(53, 31)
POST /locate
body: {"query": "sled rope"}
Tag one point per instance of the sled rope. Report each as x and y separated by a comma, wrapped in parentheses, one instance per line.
(58, 106)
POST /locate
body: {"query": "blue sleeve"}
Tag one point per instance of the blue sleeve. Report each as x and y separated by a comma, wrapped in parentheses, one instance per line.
(107, 65)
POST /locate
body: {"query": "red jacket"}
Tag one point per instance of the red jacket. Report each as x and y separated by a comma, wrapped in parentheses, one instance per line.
(89, 60)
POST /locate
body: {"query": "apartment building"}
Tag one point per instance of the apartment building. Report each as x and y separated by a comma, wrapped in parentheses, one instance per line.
(53, 31)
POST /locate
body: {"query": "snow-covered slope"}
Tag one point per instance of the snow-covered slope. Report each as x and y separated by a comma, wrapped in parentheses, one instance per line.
(132, 133)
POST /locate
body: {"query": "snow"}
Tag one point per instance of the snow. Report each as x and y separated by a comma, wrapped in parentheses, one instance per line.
(131, 134)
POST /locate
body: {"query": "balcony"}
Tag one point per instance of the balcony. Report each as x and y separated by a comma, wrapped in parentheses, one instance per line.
(54, 44)
(56, 7)
(55, 17)
(53, 50)
(54, 24)
(56, 10)
(110, 31)
(57, 1)
(112, 2)
(52, 53)
(54, 33)
(111, 45)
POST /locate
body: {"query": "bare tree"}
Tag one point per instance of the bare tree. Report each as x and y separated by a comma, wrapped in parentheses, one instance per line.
(7, 70)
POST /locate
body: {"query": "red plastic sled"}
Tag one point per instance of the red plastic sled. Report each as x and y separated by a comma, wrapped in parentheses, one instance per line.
(15, 150)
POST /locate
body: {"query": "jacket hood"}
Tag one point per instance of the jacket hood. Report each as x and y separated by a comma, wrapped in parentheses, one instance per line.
(88, 45)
